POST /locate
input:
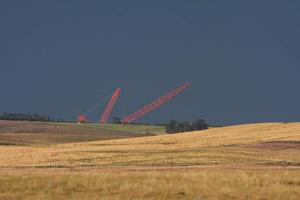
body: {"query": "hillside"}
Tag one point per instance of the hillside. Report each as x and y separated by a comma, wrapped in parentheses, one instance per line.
(266, 144)
(41, 133)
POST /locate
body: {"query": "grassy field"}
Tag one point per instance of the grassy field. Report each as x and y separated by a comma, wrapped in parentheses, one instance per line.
(43, 133)
(129, 128)
(152, 184)
(269, 144)
(255, 161)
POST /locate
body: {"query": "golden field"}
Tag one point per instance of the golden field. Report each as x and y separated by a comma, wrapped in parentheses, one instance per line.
(255, 161)
(267, 143)
(152, 184)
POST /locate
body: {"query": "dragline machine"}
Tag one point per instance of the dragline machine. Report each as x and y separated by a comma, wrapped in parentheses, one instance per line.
(136, 115)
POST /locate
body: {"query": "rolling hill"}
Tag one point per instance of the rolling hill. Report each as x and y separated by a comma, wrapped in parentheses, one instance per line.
(43, 133)
(265, 144)
(255, 161)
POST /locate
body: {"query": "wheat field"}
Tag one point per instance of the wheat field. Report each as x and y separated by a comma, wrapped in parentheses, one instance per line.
(255, 161)
(266, 143)
(152, 184)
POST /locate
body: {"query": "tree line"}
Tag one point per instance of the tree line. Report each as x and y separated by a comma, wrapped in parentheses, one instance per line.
(173, 126)
(178, 127)
(27, 117)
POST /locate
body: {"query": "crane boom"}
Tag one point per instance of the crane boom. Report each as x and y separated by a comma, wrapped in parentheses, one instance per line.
(110, 106)
(155, 104)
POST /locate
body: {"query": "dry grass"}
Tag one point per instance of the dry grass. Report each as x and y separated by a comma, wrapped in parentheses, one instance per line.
(215, 146)
(258, 161)
(152, 184)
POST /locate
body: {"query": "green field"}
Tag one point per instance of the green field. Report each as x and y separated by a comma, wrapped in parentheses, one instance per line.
(129, 128)
(44, 133)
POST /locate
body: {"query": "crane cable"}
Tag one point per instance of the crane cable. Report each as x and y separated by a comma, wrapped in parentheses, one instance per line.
(96, 105)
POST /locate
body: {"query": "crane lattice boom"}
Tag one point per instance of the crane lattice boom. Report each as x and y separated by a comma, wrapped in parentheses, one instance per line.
(155, 104)
(110, 106)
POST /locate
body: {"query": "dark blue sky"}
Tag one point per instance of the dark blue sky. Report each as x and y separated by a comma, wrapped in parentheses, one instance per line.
(61, 57)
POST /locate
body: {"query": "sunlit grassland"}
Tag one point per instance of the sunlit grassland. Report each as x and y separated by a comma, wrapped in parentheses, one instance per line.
(215, 146)
(256, 161)
(91, 158)
(152, 184)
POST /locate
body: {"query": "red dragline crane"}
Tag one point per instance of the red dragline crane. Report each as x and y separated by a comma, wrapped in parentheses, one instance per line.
(155, 104)
(110, 106)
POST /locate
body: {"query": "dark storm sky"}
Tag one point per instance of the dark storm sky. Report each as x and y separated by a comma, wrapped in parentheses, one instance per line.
(61, 57)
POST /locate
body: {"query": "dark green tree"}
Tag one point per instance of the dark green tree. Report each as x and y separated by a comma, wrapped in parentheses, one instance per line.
(178, 127)
(116, 120)
(199, 124)
(171, 126)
